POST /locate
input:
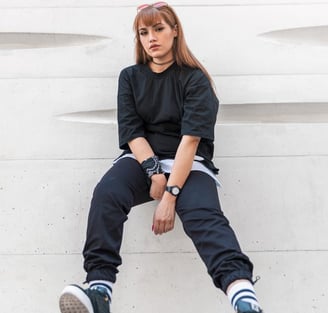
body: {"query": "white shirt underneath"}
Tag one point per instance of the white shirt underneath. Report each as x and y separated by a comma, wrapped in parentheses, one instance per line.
(167, 165)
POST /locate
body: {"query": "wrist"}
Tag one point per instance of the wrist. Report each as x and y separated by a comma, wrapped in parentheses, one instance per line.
(158, 176)
(152, 166)
(174, 190)
(167, 196)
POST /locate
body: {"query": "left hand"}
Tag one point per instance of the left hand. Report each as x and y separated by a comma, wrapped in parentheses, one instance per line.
(164, 215)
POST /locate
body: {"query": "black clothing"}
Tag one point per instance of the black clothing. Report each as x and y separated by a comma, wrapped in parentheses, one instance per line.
(124, 186)
(164, 106)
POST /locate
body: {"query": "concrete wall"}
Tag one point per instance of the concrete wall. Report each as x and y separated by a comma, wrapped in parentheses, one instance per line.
(59, 64)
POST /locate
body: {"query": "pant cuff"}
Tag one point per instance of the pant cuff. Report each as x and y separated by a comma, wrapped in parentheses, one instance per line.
(101, 274)
(233, 277)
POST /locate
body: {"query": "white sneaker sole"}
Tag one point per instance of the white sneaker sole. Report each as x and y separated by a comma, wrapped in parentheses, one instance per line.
(74, 300)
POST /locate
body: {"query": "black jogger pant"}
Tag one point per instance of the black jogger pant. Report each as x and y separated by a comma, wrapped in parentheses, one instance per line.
(198, 207)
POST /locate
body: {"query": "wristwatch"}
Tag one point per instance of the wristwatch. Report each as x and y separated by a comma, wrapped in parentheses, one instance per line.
(173, 190)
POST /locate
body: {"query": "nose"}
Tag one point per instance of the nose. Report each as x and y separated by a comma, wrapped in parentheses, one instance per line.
(152, 36)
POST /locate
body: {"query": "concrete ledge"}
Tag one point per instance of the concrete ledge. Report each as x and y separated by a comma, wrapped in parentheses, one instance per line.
(143, 286)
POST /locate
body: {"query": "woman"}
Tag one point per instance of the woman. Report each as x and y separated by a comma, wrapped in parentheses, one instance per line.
(166, 116)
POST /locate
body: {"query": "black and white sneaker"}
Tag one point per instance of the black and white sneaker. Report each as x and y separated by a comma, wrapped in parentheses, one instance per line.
(247, 307)
(74, 299)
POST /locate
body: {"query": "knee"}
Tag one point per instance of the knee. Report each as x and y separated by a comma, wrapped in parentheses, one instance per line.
(111, 194)
(103, 190)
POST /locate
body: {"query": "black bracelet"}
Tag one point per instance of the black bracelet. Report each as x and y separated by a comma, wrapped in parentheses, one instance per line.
(152, 166)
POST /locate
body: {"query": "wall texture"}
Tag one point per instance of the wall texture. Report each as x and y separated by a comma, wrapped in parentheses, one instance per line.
(59, 64)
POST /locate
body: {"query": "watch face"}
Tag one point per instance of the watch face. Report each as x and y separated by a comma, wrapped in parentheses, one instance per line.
(175, 191)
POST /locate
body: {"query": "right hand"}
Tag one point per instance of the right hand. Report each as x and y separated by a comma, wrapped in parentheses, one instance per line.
(157, 187)
(164, 215)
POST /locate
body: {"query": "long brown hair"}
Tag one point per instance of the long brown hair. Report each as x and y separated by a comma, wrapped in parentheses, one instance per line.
(183, 56)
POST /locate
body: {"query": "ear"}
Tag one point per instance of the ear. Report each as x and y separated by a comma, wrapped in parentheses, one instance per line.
(175, 30)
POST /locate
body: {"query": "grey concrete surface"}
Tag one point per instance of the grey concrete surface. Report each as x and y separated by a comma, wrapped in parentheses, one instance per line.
(59, 64)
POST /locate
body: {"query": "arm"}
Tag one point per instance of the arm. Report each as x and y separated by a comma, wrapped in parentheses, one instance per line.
(132, 126)
(183, 161)
(199, 114)
(164, 216)
(142, 151)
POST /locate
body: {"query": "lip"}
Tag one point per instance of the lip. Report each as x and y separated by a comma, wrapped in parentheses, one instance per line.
(154, 47)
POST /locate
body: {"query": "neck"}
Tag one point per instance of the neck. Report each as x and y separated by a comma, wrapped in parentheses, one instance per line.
(163, 63)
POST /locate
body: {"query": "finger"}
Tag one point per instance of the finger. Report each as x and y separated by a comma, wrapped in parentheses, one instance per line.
(159, 228)
(168, 227)
(155, 228)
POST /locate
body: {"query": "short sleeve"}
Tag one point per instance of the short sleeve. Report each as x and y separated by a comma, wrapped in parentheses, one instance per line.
(130, 124)
(200, 107)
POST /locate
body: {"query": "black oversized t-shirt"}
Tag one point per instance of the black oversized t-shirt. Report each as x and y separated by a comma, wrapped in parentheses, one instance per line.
(164, 106)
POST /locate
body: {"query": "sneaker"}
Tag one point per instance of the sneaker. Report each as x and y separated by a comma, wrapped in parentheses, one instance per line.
(246, 307)
(74, 299)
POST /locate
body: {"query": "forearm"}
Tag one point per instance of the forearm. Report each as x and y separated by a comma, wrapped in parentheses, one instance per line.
(142, 152)
(183, 160)
(141, 149)
(164, 215)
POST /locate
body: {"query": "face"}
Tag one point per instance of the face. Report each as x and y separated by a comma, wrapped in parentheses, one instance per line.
(157, 40)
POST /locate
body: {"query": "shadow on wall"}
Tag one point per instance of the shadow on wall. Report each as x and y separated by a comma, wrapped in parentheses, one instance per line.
(309, 36)
(17, 40)
(232, 113)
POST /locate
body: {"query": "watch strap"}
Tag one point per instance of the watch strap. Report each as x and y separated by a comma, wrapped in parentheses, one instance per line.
(173, 190)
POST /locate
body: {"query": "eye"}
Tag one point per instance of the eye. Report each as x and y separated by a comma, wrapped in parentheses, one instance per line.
(159, 29)
(143, 33)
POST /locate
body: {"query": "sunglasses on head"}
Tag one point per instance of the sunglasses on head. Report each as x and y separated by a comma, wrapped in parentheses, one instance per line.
(154, 5)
